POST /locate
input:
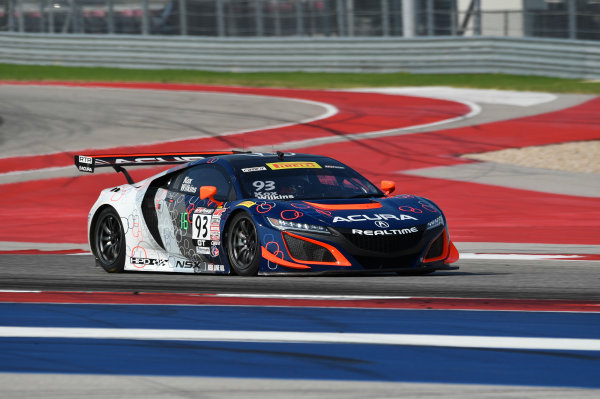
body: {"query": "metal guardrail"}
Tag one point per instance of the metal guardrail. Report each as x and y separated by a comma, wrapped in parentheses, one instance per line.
(522, 56)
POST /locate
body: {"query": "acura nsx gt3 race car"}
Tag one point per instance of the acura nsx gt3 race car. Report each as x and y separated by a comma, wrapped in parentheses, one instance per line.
(251, 213)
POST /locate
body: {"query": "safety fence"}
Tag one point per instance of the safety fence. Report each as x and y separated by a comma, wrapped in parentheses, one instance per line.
(523, 56)
(570, 19)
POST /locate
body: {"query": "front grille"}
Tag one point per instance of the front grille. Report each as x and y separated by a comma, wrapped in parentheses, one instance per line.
(376, 263)
(384, 244)
(436, 249)
(307, 251)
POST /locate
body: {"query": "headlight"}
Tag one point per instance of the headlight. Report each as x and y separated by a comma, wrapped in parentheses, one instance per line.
(289, 225)
(438, 221)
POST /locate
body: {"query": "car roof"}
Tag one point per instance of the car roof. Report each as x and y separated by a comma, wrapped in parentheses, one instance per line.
(258, 159)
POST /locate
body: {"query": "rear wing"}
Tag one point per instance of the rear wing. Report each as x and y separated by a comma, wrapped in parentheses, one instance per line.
(88, 163)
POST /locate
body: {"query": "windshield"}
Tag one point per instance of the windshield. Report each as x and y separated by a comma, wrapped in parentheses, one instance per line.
(305, 181)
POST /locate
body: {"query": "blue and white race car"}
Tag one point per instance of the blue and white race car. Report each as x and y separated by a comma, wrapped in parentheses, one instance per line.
(230, 212)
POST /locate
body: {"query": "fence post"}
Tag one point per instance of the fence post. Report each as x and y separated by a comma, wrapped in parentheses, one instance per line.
(260, 29)
(408, 18)
(340, 18)
(477, 20)
(572, 19)
(21, 17)
(220, 19)
(11, 15)
(299, 18)
(51, 18)
(350, 17)
(430, 18)
(111, 17)
(145, 28)
(42, 16)
(277, 18)
(385, 18)
(183, 28)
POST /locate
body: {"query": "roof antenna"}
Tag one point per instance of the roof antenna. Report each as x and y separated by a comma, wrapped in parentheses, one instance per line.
(280, 155)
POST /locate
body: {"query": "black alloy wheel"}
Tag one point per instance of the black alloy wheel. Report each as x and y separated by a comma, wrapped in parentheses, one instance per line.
(243, 246)
(109, 241)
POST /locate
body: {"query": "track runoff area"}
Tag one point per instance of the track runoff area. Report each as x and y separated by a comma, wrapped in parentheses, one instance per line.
(394, 135)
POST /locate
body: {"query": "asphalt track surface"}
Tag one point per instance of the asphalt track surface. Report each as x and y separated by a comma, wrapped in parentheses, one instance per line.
(477, 278)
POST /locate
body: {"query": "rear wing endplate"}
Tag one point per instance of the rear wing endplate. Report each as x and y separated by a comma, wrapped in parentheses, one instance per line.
(88, 163)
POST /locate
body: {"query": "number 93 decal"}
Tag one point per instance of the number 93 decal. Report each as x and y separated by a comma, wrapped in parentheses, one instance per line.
(201, 227)
(268, 185)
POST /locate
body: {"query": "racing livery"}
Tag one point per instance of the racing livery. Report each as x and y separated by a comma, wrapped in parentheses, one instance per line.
(241, 213)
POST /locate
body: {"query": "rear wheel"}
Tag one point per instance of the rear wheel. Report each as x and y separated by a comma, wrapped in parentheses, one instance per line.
(109, 241)
(243, 245)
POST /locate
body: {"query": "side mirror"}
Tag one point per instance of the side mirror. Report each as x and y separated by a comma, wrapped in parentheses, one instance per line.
(388, 186)
(209, 192)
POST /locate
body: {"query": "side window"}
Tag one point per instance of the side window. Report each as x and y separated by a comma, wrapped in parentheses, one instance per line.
(190, 180)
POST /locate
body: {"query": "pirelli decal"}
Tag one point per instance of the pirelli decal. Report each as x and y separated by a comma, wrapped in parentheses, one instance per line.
(293, 165)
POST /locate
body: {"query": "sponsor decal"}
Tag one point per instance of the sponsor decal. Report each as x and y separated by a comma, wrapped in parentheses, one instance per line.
(85, 168)
(272, 196)
(215, 236)
(214, 251)
(211, 267)
(381, 224)
(148, 261)
(333, 167)
(142, 160)
(247, 204)
(374, 217)
(87, 160)
(191, 264)
(215, 243)
(219, 212)
(394, 232)
(203, 250)
(205, 211)
(187, 185)
(293, 165)
(439, 221)
(255, 169)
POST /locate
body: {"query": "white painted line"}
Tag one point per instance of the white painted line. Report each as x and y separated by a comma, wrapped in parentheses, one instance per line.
(35, 291)
(329, 111)
(481, 96)
(454, 341)
(518, 256)
(475, 110)
(312, 297)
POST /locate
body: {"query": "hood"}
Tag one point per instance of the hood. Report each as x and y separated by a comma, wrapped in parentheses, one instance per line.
(391, 213)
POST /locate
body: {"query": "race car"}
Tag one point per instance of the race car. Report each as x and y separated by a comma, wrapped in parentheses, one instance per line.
(243, 213)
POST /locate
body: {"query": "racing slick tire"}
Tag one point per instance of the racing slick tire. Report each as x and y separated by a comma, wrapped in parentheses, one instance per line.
(109, 241)
(243, 246)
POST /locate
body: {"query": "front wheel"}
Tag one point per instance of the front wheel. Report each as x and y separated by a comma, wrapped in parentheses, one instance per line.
(243, 246)
(109, 241)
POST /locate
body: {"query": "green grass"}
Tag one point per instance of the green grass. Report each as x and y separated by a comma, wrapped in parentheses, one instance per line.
(300, 79)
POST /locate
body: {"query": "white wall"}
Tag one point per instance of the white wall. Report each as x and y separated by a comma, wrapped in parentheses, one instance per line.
(492, 5)
(499, 17)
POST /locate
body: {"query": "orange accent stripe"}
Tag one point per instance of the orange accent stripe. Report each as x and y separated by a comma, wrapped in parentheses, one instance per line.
(340, 259)
(340, 207)
(163, 154)
(272, 258)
